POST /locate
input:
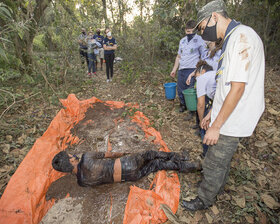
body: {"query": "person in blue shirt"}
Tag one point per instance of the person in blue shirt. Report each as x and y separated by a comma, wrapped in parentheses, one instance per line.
(205, 91)
(100, 55)
(191, 49)
(109, 45)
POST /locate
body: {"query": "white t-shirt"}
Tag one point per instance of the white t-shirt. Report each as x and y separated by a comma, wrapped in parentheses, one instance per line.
(206, 84)
(243, 62)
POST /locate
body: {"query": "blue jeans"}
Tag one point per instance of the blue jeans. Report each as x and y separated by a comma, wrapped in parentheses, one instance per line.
(183, 75)
(91, 62)
(208, 105)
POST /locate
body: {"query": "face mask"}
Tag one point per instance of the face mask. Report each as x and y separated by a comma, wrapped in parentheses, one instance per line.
(109, 34)
(210, 32)
(98, 33)
(84, 33)
(190, 36)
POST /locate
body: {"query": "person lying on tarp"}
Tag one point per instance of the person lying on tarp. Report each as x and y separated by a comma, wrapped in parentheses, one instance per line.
(95, 168)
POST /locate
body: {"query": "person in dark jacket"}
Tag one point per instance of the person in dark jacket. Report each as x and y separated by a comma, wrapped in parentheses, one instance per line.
(95, 168)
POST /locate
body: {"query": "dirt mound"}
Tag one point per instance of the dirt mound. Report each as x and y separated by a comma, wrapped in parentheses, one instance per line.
(102, 129)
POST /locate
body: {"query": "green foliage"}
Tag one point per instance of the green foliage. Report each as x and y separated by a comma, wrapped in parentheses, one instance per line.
(38, 43)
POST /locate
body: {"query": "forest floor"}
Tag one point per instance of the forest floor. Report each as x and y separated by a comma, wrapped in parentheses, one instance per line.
(252, 193)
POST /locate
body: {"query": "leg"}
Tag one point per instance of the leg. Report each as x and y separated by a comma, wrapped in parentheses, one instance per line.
(107, 65)
(112, 64)
(180, 87)
(216, 167)
(151, 155)
(161, 164)
(93, 63)
(82, 56)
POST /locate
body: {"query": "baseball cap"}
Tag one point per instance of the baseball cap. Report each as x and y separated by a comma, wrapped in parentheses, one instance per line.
(206, 11)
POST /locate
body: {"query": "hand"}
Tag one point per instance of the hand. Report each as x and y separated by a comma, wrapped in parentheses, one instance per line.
(173, 73)
(212, 135)
(188, 81)
(206, 121)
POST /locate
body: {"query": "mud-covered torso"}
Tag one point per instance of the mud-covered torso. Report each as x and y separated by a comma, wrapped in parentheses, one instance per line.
(92, 171)
(130, 167)
(96, 171)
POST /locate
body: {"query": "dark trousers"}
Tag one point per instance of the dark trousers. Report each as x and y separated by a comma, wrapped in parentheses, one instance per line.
(109, 58)
(84, 56)
(142, 164)
(208, 105)
(91, 62)
(216, 166)
(183, 75)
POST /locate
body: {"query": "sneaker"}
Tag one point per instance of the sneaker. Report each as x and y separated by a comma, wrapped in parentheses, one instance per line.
(89, 74)
(93, 73)
(108, 80)
(194, 205)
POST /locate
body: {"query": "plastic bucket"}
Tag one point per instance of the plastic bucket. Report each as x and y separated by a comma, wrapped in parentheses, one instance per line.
(190, 99)
(170, 90)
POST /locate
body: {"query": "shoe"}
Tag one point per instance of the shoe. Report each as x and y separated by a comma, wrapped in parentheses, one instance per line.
(182, 108)
(89, 74)
(195, 126)
(108, 80)
(188, 117)
(187, 167)
(194, 205)
(93, 73)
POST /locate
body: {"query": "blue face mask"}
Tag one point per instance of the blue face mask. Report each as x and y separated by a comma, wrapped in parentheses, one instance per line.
(210, 32)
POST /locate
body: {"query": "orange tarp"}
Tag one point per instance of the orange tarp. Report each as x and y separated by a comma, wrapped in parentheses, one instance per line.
(24, 200)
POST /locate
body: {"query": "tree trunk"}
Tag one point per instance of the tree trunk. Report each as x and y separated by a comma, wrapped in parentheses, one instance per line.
(24, 45)
(105, 12)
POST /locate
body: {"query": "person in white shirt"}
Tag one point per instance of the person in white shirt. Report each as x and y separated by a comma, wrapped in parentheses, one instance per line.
(239, 99)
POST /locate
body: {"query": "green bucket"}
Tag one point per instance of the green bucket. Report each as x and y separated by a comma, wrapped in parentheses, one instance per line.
(190, 99)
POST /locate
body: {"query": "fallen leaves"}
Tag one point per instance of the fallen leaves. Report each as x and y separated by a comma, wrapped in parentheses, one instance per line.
(270, 202)
(240, 201)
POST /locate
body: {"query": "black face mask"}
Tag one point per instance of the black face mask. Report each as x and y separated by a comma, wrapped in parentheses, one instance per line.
(98, 33)
(84, 33)
(190, 36)
(210, 32)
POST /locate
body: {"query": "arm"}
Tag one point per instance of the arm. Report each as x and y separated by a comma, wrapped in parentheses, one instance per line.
(200, 107)
(175, 67)
(188, 81)
(108, 48)
(231, 100)
(203, 51)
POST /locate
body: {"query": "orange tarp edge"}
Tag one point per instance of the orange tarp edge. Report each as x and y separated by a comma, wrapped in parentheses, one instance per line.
(24, 201)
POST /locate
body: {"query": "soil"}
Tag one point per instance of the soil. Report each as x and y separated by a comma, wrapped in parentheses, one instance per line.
(105, 203)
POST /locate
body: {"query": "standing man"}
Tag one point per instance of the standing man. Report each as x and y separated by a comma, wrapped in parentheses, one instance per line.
(100, 56)
(82, 40)
(191, 49)
(239, 99)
